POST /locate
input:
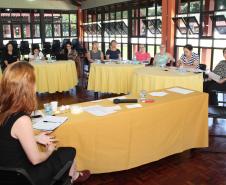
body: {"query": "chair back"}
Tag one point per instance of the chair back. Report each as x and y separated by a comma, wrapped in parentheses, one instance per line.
(14, 176)
(24, 48)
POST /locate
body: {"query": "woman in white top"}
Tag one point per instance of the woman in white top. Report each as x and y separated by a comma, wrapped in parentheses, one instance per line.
(36, 54)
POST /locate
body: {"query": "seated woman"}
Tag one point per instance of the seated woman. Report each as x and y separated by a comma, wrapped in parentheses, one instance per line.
(95, 53)
(36, 54)
(189, 59)
(163, 58)
(142, 55)
(211, 85)
(72, 55)
(18, 145)
(9, 56)
(113, 53)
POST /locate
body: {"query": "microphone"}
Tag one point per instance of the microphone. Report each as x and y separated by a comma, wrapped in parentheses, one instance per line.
(117, 101)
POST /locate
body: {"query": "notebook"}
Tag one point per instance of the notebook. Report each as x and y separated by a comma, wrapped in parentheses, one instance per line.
(49, 123)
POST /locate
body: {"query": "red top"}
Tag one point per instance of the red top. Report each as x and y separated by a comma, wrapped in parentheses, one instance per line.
(143, 56)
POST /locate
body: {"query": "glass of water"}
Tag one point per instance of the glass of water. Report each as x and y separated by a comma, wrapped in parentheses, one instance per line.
(48, 109)
(143, 95)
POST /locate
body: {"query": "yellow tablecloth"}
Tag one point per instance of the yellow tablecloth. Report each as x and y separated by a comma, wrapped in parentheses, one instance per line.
(58, 76)
(132, 137)
(154, 78)
(111, 78)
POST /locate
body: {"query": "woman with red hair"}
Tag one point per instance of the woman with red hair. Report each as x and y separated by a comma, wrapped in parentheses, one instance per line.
(18, 145)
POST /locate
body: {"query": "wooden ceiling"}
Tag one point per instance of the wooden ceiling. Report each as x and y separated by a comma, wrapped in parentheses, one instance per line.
(77, 2)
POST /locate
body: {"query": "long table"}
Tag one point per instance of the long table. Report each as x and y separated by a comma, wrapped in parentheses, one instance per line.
(111, 78)
(54, 77)
(133, 137)
(154, 78)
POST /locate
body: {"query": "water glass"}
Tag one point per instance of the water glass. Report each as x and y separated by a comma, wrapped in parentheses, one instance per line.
(143, 95)
(48, 109)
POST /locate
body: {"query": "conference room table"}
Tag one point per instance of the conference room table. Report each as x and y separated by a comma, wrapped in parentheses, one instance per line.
(132, 137)
(58, 76)
(111, 78)
(154, 78)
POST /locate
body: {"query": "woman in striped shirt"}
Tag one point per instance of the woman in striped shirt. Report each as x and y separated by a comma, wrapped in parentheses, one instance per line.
(188, 59)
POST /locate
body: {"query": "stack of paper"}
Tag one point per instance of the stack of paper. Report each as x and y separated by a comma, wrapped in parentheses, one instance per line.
(98, 110)
(49, 123)
(134, 106)
(158, 94)
(180, 90)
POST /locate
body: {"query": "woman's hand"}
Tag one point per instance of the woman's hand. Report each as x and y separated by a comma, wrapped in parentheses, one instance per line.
(45, 139)
(50, 148)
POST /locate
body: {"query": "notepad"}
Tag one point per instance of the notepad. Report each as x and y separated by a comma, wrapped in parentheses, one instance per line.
(180, 90)
(134, 106)
(98, 110)
(49, 123)
(158, 93)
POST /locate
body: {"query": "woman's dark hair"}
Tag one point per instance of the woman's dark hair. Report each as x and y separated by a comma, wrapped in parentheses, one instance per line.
(224, 50)
(65, 47)
(14, 49)
(35, 47)
(189, 47)
(94, 42)
(113, 41)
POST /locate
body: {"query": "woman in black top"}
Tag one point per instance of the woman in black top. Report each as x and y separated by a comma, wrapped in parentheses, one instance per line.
(113, 53)
(18, 145)
(10, 55)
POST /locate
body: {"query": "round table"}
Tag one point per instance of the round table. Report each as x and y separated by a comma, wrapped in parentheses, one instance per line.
(54, 77)
(154, 78)
(111, 78)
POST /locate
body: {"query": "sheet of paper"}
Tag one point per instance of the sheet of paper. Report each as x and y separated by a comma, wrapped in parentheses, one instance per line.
(180, 90)
(133, 106)
(49, 122)
(161, 93)
(98, 110)
(120, 97)
(46, 126)
(116, 107)
(214, 76)
(55, 119)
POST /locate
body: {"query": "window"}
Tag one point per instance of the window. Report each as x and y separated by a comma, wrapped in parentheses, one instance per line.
(139, 25)
(24, 24)
(26, 30)
(6, 31)
(57, 30)
(36, 30)
(16, 31)
(220, 4)
(203, 24)
(48, 30)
